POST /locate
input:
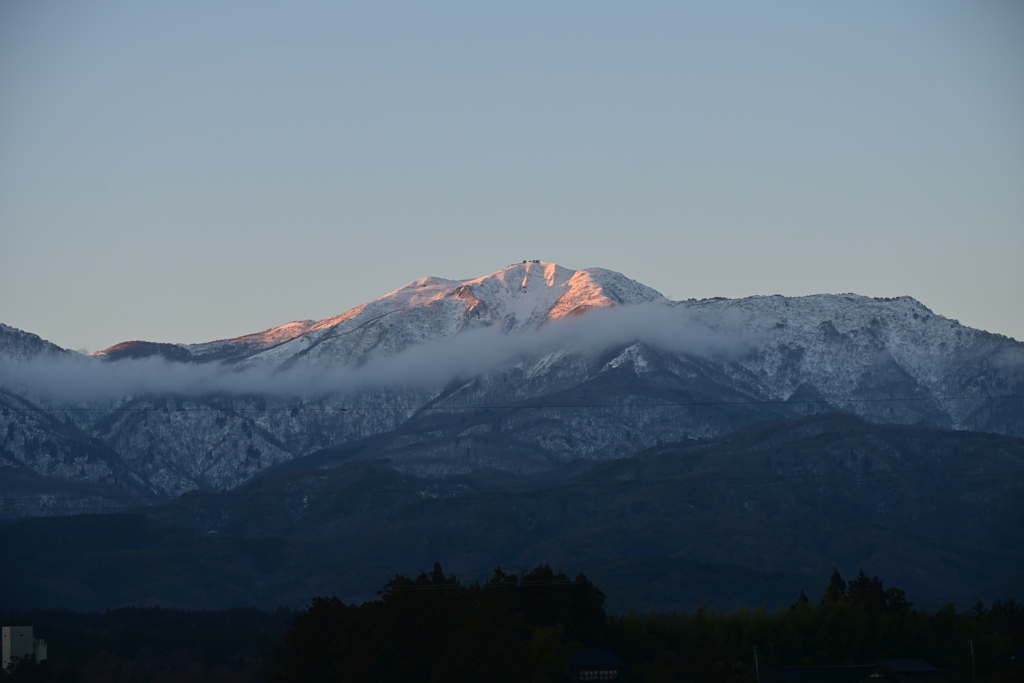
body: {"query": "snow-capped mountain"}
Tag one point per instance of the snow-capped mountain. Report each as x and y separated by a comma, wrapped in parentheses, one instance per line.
(522, 297)
(571, 364)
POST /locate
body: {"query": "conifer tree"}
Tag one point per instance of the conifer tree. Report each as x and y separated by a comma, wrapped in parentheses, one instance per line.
(836, 591)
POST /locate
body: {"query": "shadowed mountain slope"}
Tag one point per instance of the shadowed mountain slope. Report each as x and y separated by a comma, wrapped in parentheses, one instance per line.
(744, 518)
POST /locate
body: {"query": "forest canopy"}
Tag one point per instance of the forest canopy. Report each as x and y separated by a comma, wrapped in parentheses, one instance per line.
(526, 627)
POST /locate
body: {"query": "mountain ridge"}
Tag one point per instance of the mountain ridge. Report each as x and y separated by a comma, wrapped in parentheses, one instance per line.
(521, 296)
(580, 364)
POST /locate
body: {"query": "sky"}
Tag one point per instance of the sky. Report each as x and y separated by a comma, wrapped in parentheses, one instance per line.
(188, 171)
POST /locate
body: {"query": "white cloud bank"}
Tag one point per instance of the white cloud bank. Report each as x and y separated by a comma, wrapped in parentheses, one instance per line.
(433, 364)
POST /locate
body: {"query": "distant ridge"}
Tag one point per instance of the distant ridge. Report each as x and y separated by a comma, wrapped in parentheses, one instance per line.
(636, 368)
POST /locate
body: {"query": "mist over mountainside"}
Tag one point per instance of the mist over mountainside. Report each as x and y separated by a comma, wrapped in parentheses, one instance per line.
(522, 370)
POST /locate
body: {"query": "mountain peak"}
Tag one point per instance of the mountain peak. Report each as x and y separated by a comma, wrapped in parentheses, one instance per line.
(521, 296)
(527, 295)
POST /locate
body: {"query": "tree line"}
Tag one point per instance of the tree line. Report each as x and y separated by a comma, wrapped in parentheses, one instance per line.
(524, 628)
(519, 627)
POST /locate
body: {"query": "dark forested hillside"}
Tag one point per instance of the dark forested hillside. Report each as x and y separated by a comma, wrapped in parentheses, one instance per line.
(743, 519)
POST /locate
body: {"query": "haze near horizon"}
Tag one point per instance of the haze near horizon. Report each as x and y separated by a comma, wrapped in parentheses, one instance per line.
(190, 172)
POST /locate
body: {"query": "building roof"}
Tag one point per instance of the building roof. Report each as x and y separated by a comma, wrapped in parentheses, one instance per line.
(594, 659)
(823, 674)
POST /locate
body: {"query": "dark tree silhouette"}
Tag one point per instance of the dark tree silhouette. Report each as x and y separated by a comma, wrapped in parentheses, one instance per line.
(836, 591)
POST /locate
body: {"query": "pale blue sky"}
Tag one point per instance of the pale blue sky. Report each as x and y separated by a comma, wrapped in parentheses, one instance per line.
(185, 171)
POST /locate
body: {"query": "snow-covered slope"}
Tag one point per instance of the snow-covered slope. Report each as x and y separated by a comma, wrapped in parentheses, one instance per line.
(762, 357)
(18, 346)
(830, 339)
(861, 352)
(519, 298)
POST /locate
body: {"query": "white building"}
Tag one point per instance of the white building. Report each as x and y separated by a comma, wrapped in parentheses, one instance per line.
(18, 642)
